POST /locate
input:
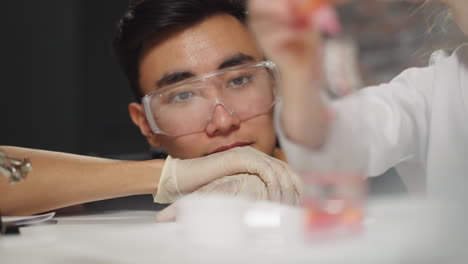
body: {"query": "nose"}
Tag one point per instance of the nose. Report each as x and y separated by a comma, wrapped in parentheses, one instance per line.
(223, 121)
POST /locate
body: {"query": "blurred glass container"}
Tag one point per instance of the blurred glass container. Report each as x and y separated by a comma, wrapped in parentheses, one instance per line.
(379, 39)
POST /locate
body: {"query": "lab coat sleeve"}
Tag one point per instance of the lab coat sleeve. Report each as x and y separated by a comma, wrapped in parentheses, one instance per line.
(390, 121)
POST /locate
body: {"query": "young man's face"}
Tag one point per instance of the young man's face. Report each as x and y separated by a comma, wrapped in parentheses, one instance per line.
(202, 49)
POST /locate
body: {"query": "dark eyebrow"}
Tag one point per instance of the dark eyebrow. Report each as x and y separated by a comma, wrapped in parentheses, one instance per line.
(174, 77)
(235, 60)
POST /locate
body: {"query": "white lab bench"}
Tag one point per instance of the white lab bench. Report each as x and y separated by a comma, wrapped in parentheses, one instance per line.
(392, 234)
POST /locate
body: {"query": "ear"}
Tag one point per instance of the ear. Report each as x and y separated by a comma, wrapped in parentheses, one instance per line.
(139, 119)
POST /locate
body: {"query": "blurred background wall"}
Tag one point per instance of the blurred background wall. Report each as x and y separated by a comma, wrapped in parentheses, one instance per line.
(61, 87)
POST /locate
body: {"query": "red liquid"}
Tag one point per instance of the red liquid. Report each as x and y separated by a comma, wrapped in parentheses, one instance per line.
(334, 202)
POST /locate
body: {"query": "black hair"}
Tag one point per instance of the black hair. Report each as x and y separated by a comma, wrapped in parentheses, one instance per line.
(146, 19)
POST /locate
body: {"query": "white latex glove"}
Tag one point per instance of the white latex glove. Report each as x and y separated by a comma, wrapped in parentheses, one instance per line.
(245, 185)
(181, 177)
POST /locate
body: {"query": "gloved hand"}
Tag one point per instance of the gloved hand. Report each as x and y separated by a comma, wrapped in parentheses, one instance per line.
(245, 185)
(181, 177)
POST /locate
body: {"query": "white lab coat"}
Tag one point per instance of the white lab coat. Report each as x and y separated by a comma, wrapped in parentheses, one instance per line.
(418, 122)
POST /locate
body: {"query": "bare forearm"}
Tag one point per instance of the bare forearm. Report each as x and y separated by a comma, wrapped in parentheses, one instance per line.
(59, 179)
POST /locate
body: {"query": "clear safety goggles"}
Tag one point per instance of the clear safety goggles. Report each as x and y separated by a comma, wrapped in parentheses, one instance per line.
(187, 107)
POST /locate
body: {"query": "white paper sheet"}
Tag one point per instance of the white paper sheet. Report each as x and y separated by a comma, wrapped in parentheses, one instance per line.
(27, 220)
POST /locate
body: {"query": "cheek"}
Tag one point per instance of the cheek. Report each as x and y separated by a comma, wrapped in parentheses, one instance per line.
(186, 147)
(263, 125)
(263, 132)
